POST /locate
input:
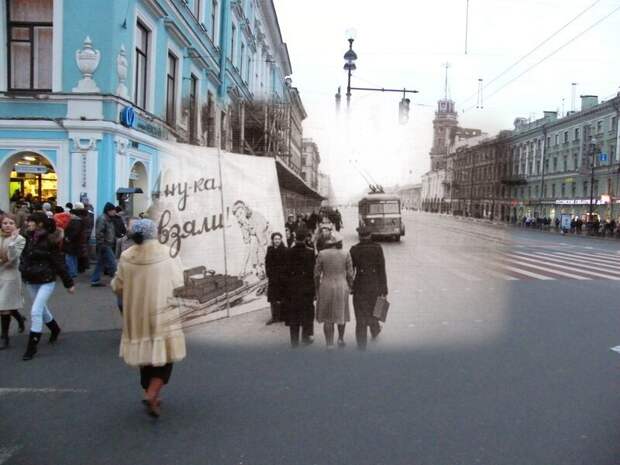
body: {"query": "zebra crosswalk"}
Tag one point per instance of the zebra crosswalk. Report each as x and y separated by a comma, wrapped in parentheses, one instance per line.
(539, 264)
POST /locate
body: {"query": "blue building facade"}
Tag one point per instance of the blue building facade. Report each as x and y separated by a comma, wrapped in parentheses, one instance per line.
(94, 93)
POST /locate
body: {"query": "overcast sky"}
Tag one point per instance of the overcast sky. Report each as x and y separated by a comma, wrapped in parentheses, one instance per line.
(403, 43)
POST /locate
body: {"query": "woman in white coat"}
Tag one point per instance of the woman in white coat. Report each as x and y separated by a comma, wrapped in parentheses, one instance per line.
(152, 336)
(11, 297)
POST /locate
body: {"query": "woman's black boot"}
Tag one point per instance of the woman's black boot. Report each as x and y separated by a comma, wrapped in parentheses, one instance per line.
(21, 320)
(5, 323)
(33, 340)
(54, 329)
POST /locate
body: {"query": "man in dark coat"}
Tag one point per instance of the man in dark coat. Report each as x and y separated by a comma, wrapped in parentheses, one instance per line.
(291, 225)
(370, 282)
(313, 221)
(300, 291)
(275, 267)
(72, 244)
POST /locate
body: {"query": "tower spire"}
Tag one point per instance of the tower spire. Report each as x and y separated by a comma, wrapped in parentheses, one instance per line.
(445, 94)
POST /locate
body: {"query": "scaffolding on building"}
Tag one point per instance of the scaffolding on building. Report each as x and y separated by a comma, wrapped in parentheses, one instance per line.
(262, 128)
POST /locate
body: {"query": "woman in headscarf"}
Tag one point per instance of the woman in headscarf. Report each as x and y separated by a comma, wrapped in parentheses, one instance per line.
(11, 298)
(152, 336)
(333, 275)
(275, 266)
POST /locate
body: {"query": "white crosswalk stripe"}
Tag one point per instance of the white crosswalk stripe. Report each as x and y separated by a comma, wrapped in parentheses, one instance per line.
(516, 264)
(526, 273)
(485, 270)
(588, 258)
(531, 263)
(614, 270)
(552, 264)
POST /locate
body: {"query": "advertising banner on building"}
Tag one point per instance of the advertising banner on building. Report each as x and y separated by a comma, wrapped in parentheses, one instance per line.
(216, 213)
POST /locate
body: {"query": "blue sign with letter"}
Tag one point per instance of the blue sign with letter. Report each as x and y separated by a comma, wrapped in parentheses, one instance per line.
(602, 156)
(128, 117)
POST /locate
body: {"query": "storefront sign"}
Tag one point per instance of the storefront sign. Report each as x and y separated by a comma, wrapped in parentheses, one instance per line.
(584, 201)
(35, 169)
(149, 127)
(128, 117)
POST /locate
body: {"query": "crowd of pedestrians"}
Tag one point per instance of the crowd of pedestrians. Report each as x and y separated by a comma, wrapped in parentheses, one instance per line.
(41, 242)
(311, 277)
(578, 225)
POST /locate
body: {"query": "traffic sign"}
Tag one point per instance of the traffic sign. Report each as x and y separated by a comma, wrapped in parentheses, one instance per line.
(602, 156)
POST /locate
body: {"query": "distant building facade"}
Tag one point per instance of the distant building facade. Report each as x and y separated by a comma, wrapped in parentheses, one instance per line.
(544, 168)
(411, 196)
(446, 133)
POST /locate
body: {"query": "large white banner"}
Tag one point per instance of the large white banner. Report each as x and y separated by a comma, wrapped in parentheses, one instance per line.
(217, 212)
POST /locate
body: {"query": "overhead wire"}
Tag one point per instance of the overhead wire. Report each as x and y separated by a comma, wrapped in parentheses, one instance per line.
(520, 60)
(546, 57)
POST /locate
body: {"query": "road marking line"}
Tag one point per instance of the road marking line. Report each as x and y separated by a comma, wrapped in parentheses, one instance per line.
(563, 260)
(569, 268)
(599, 261)
(606, 256)
(491, 272)
(5, 391)
(527, 262)
(526, 273)
(597, 256)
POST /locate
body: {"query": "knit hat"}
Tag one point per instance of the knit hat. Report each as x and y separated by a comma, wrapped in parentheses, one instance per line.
(108, 206)
(144, 227)
(78, 206)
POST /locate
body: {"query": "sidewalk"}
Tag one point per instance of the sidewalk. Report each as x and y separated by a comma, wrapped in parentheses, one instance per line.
(549, 230)
(94, 308)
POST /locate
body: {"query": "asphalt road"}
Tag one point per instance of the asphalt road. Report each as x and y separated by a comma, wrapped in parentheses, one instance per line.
(496, 351)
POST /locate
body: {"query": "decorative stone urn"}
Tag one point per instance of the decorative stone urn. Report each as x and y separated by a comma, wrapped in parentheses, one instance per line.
(87, 59)
(121, 71)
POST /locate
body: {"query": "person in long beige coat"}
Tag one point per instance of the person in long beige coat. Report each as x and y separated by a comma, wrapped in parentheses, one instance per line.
(152, 335)
(11, 296)
(333, 275)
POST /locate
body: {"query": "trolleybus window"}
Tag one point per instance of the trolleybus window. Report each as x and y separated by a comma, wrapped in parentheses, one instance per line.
(378, 208)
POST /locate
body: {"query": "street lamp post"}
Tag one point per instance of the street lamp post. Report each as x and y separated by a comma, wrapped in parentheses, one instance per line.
(593, 152)
(350, 57)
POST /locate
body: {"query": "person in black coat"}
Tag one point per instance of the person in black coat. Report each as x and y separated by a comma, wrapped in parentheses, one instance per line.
(300, 292)
(275, 267)
(369, 283)
(72, 245)
(41, 262)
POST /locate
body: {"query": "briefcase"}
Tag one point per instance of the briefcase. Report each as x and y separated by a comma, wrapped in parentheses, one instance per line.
(381, 309)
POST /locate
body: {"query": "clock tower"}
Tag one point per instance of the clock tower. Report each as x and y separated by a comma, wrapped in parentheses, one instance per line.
(445, 127)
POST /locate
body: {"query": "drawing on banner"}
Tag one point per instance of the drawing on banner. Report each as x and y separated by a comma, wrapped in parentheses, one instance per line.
(218, 224)
(256, 231)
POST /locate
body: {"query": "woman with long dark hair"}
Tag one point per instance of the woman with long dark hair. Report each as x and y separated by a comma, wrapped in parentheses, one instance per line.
(275, 266)
(152, 337)
(41, 262)
(11, 298)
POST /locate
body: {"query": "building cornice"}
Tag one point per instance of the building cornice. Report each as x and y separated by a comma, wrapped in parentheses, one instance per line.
(176, 33)
(155, 8)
